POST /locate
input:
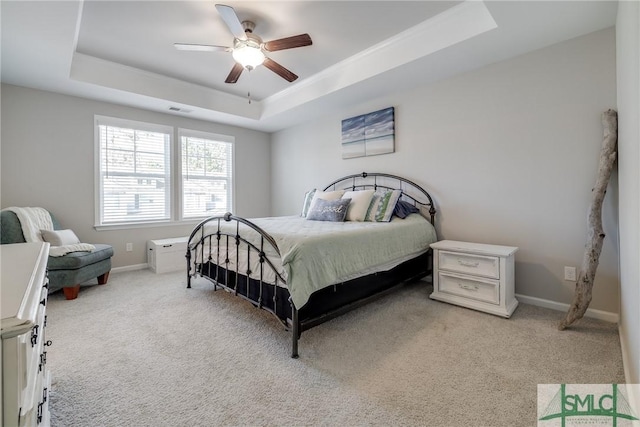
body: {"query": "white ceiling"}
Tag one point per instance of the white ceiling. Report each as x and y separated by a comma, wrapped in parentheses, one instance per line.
(122, 51)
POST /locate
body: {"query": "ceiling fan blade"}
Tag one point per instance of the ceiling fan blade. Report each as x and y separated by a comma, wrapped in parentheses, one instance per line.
(288, 42)
(279, 70)
(231, 19)
(200, 47)
(235, 73)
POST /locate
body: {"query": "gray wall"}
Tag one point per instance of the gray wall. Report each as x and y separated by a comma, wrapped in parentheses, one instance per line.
(509, 152)
(628, 68)
(48, 160)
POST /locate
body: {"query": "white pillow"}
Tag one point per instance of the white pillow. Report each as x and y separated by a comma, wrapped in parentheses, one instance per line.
(308, 198)
(360, 201)
(60, 237)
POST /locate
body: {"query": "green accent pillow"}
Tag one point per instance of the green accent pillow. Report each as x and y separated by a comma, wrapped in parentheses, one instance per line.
(382, 205)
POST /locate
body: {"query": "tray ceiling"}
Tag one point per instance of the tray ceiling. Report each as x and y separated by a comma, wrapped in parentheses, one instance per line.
(122, 51)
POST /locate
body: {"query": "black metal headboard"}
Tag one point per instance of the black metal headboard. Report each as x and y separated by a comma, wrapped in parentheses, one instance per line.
(410, 190)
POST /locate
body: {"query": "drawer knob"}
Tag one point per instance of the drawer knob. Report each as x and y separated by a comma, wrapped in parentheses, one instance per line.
(468, 287)
(468, 263)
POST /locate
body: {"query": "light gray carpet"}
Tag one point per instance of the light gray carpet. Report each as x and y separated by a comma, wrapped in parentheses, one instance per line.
(145, 351)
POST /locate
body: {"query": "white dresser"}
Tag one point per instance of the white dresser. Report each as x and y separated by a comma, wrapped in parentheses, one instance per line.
(26, 380)
(475, 275)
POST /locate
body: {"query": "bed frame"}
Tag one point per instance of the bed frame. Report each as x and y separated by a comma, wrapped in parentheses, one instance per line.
(324, 304)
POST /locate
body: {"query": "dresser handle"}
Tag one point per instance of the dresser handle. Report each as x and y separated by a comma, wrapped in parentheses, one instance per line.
(34, 335)
(469, 287)
(43, 361)
(48, 343)
(468, 264)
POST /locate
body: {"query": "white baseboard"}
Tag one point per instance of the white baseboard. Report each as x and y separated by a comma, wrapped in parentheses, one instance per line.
(595, 314)
(627, 360)
(130, 268)
(633, 389)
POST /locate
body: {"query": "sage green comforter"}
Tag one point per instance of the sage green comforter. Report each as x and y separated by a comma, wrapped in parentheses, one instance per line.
(317, 254)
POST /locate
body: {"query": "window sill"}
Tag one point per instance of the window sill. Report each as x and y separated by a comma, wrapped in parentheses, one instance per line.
(134, 225)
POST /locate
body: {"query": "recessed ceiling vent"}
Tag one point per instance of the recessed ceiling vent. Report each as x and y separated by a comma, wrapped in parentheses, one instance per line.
(180, 110)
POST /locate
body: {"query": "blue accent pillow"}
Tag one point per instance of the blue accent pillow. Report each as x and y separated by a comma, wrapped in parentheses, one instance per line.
(329, 210)
(404, 209)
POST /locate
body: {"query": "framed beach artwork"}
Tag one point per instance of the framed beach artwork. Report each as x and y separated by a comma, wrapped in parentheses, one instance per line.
(369, 134)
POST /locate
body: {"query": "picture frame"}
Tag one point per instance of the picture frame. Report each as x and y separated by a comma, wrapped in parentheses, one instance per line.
(369, 134)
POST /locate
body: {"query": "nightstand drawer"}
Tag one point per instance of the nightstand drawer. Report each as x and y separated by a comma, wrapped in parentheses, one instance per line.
(485, 290)
(478, 265)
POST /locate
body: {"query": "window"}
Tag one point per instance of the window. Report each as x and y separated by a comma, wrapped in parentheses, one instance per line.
(142, 179)
(206, 172)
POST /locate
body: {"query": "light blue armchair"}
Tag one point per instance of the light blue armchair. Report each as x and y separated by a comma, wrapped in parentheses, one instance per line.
(65, 272)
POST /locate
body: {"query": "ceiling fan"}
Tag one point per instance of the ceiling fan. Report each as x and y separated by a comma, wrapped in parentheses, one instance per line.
(248, 49)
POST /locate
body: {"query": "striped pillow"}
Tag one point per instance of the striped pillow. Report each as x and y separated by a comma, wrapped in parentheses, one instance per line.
(382, 205)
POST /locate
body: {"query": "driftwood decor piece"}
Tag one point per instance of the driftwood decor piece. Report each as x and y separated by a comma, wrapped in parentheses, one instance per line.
(595, 232)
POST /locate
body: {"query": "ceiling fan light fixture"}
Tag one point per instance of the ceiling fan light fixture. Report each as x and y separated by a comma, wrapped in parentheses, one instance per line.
(247, 55)
(249, 50)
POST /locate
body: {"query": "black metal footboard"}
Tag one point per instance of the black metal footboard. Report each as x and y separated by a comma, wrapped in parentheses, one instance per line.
(209, 237)
(323, 305)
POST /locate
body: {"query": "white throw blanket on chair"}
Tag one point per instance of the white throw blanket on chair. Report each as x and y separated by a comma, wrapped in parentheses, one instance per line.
(33, 220)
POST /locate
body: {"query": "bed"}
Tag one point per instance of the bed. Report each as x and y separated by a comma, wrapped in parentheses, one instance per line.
(306, 271)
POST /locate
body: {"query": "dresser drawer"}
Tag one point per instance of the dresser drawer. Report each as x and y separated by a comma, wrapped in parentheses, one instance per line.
(25, 376)
(485, 290)
(478, 265)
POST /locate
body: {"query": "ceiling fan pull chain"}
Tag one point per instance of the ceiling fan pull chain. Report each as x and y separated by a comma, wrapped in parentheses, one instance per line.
(249, 85)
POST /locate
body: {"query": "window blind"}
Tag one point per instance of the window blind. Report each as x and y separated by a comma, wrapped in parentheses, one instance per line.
(135, 174)
(207, 171)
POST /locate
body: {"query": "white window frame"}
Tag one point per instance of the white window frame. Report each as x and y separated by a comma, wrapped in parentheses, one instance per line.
(175, 180)
(214, 137)
(99, 188)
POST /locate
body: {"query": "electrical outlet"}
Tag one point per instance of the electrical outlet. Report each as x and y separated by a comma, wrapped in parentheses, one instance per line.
(570, 273)
(129, 247)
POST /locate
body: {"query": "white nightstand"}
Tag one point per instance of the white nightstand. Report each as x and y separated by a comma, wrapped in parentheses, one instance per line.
(475, 275)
